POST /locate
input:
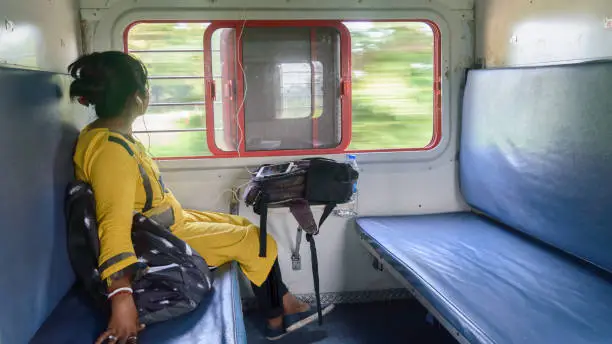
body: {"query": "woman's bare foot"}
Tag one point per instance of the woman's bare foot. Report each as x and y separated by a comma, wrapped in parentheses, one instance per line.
(275, 322)
(292, 305)
(297, 315)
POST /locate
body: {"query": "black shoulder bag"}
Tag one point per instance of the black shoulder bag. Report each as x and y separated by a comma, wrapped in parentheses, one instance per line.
(298, 185)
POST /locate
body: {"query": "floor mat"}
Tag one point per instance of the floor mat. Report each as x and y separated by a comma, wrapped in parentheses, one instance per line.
(401, 322)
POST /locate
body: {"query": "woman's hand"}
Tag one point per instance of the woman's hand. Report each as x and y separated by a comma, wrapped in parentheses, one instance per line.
(123, 326)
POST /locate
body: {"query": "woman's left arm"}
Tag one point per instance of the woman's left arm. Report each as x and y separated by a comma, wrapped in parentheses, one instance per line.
(114, 177)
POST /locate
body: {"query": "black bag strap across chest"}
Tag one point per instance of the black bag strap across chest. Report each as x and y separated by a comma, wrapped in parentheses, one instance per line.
(146, 181)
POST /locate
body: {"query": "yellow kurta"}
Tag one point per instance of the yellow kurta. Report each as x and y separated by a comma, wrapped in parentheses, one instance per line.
(117, 184)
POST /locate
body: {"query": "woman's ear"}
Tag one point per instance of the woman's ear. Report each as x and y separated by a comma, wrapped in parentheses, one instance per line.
(141, 107)
(139, 102)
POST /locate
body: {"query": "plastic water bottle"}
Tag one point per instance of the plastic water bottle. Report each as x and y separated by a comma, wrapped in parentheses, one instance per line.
(350, 208)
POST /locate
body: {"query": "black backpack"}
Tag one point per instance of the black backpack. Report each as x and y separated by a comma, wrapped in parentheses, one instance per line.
(297, 185)
(170, 279)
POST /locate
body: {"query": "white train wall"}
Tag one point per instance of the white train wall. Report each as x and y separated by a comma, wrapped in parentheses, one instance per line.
(45, 35)
(539, 32)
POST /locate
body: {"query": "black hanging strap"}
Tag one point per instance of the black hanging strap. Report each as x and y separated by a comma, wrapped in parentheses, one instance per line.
(263, 225)
(315, 261)
(315, 275)
(326, 212)
(302, 213)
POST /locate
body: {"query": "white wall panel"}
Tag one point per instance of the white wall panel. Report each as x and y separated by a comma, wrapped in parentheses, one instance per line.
(538, 32)
(40, 34)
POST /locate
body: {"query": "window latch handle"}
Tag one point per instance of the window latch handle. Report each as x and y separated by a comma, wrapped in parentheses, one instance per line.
(230, 90)
(345, 87)
(212, 90)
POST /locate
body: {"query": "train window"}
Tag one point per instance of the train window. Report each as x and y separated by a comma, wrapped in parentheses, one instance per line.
(175, 123)
(227, 89)
(284, 87)
(395, 84)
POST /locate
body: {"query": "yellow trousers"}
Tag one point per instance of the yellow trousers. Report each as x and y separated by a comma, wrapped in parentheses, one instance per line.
(221, 238)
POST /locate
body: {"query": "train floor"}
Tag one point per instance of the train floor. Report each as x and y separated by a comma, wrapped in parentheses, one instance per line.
(393, 322)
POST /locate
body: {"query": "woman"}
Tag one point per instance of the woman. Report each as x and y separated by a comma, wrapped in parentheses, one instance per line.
(116, 85)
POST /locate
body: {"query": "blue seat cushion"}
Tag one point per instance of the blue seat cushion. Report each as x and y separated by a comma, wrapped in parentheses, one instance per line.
(38, 138)
(218, 320)
(535, 153)
(492, 284)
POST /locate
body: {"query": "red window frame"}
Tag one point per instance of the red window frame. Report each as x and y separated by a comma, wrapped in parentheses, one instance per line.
(345, 84)
(346, 122)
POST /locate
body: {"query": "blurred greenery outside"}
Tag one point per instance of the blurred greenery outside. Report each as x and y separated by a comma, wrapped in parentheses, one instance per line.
(392, 99)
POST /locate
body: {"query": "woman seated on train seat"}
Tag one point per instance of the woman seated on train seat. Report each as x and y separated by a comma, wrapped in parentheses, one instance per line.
(116, 85)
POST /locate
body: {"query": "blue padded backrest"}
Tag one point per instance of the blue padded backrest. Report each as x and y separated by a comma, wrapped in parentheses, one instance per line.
(36, 136)
(536, 153)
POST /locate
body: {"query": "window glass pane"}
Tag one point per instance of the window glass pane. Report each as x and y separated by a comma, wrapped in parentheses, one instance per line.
(172, 50)
(166, 36)
(159, 118)
(173, 63)
(185, 144)
(176, 90)
(392, 81)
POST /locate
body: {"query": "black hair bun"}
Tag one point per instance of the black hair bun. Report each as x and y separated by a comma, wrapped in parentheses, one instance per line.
(106, 80)
(89, 81)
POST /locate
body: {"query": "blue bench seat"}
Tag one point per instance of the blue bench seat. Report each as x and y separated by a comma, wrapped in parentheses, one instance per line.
(38, 301)
(217, 321)
(491, 284)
